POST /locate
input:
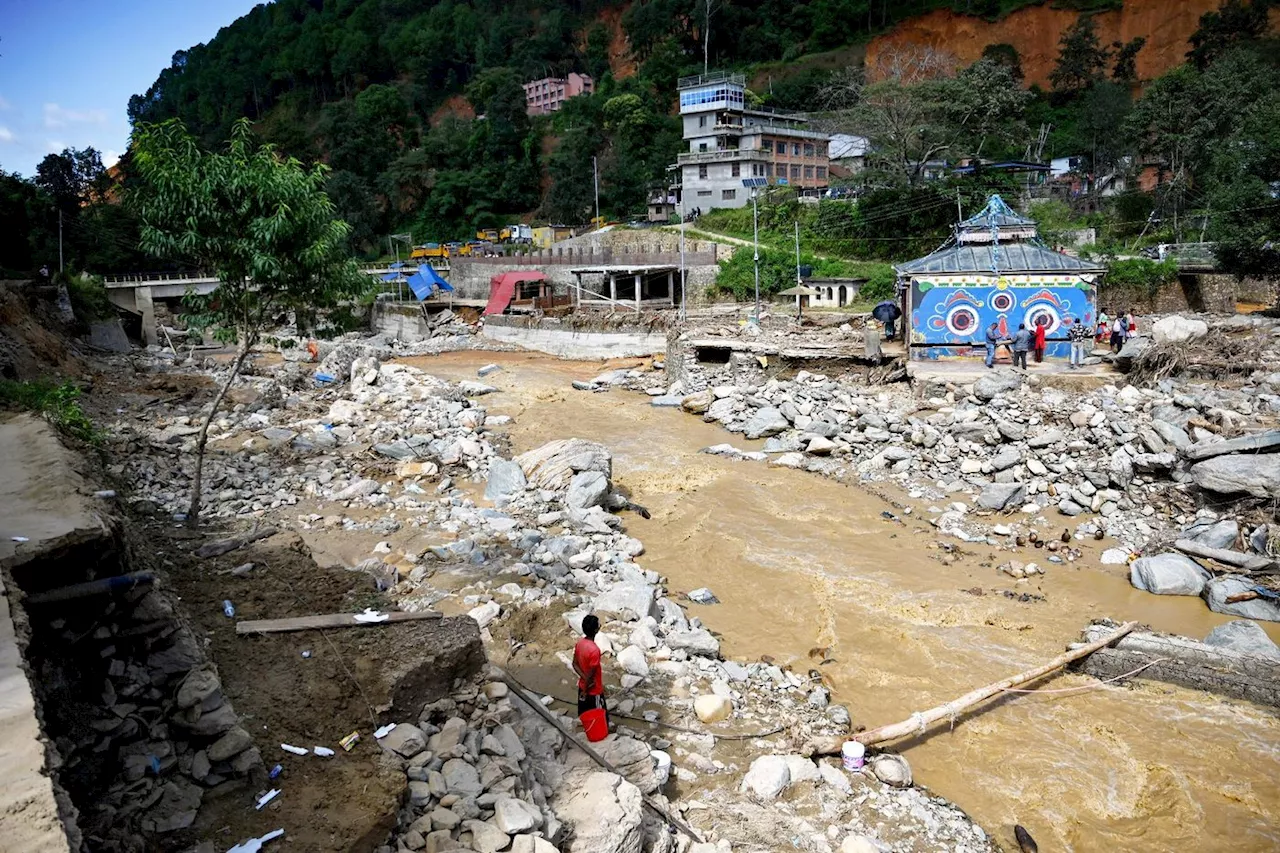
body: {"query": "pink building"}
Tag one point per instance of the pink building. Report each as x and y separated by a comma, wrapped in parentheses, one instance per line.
(548, 94)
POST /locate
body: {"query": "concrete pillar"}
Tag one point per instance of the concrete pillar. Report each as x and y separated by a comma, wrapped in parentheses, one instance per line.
(613, 287)
(671, 287)
(142, 298)
(637, 293)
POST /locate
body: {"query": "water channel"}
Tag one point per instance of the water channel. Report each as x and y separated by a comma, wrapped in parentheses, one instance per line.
(799, 561)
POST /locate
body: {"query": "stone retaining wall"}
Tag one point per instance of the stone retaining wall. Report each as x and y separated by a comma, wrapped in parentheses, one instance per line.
(576, 341)
(1211, 293)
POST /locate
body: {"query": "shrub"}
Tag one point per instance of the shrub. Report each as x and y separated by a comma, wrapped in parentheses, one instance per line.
(89, 298)
(58, 404)
(1141, 273)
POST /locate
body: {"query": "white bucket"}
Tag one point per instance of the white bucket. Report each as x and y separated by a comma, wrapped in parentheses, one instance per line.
(661, 766)
(854, 755)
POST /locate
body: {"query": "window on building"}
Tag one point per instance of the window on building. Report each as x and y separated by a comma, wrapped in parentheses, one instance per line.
(702, 121)
(795, 173)
(728, 195)
(808, 172)
(822, 172)
(702, 173)
(822, 149)
(704, 193)
(795, 149)
(808, 149)
(768, 170)
(702, 146)
(766, 145)
(735, 170)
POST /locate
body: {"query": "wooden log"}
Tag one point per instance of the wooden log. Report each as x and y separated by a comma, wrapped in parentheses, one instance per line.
(538, 708)
(329, 620)
(224, 546)
(918, 722)
(1257, 442)
(1186, 663)
(1247, 562)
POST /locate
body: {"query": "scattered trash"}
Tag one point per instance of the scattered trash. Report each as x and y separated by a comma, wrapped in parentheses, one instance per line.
(228, 609)
(384, 731)
(155, 764)
(487, 369)
(323, 751)
(267, 797)
(179, 517)
(885, 514)
(253, 845)
(306, 653)
(296, 750)
(105, 494)
(853, 755)
(242, 569)
(323, 379)
(19, 539)
(371, 615)
(275, 771)
(349, 741)
(702, 595)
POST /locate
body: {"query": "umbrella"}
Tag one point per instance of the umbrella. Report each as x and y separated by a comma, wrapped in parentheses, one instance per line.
(886, 312)
(798, 290)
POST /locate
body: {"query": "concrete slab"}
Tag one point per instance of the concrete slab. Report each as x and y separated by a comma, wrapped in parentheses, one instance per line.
(1055, 373)
(40, 491)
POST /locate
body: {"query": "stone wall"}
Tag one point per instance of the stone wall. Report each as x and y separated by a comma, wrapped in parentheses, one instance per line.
(470, 278)
(1204, 293)
(564, 339)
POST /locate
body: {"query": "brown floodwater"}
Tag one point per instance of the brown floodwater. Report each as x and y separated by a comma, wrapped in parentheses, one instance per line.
(799, 561)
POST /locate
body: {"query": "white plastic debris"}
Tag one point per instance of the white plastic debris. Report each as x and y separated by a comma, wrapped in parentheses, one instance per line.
(371, 615)
(19, 539)
(384, 731)
(296, 750)
(267, 797)
(253, 845)
(105, 493)
(322, 751)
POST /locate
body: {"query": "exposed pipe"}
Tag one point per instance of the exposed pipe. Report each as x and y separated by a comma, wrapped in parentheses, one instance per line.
(102, 586)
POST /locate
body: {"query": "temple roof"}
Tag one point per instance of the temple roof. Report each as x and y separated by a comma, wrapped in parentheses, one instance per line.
(1017, 257)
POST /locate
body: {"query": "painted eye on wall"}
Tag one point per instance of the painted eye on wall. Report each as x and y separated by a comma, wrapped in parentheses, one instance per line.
(1042, 313)
(1002, 302)
(962, 320)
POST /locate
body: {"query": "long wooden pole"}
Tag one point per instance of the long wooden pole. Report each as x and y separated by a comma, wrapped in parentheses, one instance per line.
(918, 722)
(663, 813)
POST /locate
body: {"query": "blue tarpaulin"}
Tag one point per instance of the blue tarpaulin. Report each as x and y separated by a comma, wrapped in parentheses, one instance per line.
(421, 287)
(391, 276)
(434, 278)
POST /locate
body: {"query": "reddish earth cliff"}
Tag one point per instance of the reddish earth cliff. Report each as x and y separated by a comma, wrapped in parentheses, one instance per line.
(1035, 31)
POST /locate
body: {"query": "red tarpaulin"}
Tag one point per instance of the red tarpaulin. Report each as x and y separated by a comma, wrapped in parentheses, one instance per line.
(502, 288)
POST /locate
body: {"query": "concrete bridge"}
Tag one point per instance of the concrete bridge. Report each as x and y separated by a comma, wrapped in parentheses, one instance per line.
(139, 292)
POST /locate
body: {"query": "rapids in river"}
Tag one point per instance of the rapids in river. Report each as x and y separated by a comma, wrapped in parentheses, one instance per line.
(799, 561)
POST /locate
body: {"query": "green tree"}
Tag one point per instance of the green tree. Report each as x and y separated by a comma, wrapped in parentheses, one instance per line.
(1082, 60)
(1234, 22)
(1125, 69)
(260, 222)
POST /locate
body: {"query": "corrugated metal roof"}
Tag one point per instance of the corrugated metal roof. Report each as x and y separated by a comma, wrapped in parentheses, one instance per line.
(995, 213)
(1013, 258)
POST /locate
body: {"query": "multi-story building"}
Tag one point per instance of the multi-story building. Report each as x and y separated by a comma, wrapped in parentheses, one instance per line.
(549, 94)
(729, 141)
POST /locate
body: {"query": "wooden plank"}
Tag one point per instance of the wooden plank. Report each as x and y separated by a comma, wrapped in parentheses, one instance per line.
(329, 620)
(1247, 562)
(1256, 442)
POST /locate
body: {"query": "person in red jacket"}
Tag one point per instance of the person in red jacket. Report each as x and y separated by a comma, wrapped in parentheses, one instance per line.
(1041, 325)
(586, 663)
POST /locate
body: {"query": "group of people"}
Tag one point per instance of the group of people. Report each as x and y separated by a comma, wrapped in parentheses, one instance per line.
(1116, 331)
(1079, 335)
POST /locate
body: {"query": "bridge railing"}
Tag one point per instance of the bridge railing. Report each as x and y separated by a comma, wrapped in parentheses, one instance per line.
(136, 278)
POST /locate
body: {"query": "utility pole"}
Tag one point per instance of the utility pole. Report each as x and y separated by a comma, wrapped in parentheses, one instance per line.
(755, 227)
(684, 311)
(595, 174)
(61, 266)
(799, 283)
(959, 210)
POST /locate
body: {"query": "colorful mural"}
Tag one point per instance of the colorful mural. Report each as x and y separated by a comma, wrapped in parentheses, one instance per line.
(950, 313)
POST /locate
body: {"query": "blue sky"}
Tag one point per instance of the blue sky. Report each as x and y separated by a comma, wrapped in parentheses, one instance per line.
(69, 67)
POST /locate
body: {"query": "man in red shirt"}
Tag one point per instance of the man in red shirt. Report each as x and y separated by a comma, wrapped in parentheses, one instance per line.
(586, 663)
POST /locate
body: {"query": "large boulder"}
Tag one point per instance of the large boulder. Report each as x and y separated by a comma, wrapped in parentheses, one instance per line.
(587, 489)
(604, 813)
(553, 465)
(1178, 330)
(994, 384)
(1219, 589)
(767, 778)
(1002, 496)
(1168, 574)
(1243, 636)
(698, 402)
(506, 479)
(764, 422)
(1254, 474)
(1220, 534)
(631, 600)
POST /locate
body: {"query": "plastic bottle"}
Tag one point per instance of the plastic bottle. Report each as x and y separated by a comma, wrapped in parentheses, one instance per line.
(228, 608)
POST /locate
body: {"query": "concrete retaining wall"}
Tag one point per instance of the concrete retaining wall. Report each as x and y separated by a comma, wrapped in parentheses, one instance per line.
(579, 343)
(1214, 294)
(470, 279)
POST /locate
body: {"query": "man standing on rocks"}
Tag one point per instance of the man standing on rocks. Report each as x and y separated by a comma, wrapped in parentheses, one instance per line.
(586, 663)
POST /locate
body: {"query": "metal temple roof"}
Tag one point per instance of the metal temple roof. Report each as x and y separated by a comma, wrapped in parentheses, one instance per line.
(1016, 257)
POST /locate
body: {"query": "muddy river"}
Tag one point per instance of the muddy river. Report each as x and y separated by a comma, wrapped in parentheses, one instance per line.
(799, 561)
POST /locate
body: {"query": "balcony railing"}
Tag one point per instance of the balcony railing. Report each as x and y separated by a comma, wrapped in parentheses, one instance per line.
(724, 156)
(713, 77)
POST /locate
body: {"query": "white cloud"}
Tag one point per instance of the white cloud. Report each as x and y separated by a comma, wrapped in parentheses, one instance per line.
(56, 116)
(55, 146)
(6, 135)
(110, 158)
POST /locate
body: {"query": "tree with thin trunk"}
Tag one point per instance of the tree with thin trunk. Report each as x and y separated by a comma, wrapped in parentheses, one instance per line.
(258, 221)
(709, 8)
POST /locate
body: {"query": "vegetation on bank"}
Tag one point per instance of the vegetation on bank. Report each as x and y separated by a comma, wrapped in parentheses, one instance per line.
(1141, 274)
(59, 404)
(778, 272)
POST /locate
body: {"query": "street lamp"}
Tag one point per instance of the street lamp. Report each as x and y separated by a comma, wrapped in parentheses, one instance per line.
(754, 184)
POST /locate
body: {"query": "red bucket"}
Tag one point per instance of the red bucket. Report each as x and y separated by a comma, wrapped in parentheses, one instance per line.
(595, 724)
